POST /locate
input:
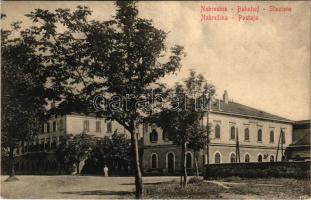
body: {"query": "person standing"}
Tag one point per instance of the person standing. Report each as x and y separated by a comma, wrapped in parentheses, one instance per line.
(106, 170)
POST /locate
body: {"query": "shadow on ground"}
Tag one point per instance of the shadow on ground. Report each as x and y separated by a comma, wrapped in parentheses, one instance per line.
(99, 192)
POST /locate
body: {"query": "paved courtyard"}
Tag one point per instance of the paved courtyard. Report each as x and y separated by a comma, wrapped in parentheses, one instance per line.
(73, 187)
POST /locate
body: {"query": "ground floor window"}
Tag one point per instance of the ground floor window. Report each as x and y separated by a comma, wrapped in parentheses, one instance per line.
(259, 158)
(247, 158)
(217, 158)
(232, 158)
(154, 161)
(272, 158)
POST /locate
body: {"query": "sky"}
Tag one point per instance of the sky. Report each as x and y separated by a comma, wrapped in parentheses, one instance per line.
(264, 64)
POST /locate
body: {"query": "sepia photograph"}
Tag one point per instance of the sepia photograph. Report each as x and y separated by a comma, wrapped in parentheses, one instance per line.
(155, 99)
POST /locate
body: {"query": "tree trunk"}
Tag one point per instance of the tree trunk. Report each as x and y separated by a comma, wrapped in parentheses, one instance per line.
(184, 164)
(196, 162)
(78, 167)
(138, 175)
(12, 164)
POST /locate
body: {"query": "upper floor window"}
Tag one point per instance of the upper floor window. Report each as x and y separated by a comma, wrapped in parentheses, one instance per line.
(283, 136)
(259, 135)
(232, 133)
(246, 134)
(217, 131)
(86, 125)
(109, 127)
(259, 158)
(271, 136)
(164, 136)
(98, 126)
(48, 127)
(42, 129)
(61, 125)
(54, 126)
(153, 136)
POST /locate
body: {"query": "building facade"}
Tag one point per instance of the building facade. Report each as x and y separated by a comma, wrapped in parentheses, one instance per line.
(37, 155)
(300, 149)
(257, 133)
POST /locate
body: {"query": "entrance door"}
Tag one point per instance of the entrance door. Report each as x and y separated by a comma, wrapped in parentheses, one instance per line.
(170, 163)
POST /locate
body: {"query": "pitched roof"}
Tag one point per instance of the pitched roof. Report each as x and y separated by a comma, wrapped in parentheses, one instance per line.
(243, 110)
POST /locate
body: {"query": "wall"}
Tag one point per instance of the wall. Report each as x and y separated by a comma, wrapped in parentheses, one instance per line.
(259, 170)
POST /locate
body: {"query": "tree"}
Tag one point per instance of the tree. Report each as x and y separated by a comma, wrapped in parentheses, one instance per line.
(75, 148)
(115, 149)
(181, 120)
(22, 91)
(123, 57)
(198, 139)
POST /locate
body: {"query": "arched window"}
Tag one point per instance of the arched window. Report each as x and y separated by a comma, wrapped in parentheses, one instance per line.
(217, 131)
(154, 161)
(217, 158)
(259, 135)
(153, 136)
(232, 158)
(232, 133)
(272, 158)
(247, 158)
(271, 136)
(188, 160)
(259, 158)
(246, 134)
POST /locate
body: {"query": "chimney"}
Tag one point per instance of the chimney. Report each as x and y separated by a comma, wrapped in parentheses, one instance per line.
(225, 97)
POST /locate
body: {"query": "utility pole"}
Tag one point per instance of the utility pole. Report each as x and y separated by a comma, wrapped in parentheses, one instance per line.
(237, 147)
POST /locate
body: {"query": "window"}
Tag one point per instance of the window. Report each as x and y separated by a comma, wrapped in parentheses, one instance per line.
(86, 125)
(259, 135)
(54, 126)
(283, 136)
(42, 130)
(164, 135)
(188, 160)
(247, 158)
(232, 158)
(48, 127)
(271, 137)
(153, 136)
(109, 127)
(217, 131)
(53, 145)
(217, 158)
(154, 161)
(259, 158)
(232, 133)
(98, 126)
(272, 158)
(246, 134)
(60, 125)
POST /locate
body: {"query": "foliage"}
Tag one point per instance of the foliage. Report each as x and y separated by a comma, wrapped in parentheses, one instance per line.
(115, 57)
(75, 148)
(23, 90)
(112, 150)
(182, 125)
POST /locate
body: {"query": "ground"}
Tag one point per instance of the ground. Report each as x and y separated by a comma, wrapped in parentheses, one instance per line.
(93, 187)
